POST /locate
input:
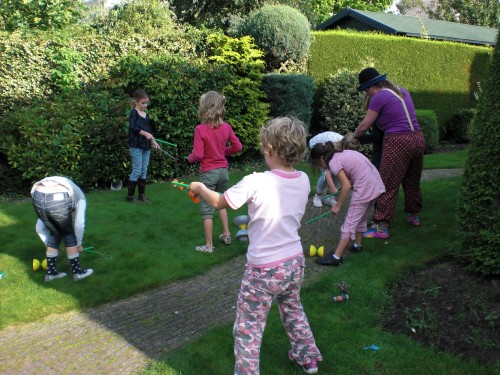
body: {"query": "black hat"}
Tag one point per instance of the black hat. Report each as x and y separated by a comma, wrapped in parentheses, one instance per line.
(369, 77)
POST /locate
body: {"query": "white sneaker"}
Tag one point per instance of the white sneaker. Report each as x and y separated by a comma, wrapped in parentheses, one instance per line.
(59, 275)
(330, 201)
(205, 249)
(86, 273)
(317, 202)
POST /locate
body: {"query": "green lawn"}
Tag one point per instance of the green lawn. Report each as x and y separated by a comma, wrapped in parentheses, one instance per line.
(342, 330)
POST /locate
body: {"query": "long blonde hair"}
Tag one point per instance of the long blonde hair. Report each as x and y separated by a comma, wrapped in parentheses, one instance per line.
(211, 109)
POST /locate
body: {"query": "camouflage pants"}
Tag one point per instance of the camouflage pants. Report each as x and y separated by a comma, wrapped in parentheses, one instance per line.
(259, 287)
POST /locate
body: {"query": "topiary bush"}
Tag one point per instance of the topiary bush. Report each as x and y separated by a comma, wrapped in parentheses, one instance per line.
(428, 123)
(479, 198)
(341, 105)
(282, 32)
(290, 94)
(460, 126)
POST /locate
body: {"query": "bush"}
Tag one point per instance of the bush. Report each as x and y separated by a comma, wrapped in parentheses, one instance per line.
(341, 105)
(281, 32)
(459, 127)
(81, 135)
(290, 94)
(479, 198)
(429, 125)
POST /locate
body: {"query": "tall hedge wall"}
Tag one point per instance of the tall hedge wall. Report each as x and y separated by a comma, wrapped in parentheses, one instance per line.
(440, 75)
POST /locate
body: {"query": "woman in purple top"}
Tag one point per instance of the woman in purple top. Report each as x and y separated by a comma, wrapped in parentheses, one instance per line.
(392, 108)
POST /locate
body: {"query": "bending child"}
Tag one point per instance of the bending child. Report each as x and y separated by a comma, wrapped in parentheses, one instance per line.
(275, 260)
(355, 172)
(321, 185)
(210, 148)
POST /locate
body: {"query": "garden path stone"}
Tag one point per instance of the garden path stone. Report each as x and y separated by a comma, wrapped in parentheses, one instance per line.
(122, 337)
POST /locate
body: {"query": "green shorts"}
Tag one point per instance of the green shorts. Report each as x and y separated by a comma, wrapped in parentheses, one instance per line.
(216, 180)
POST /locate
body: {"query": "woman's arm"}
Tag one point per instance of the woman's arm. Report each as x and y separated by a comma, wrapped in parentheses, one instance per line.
(365, 124)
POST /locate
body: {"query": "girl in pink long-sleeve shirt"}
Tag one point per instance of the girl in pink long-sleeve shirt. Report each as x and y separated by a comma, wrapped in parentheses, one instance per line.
(214, 139)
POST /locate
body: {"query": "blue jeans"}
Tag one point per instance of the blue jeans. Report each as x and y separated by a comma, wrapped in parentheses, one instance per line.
(140, 162)
(55, 211)
(321, 185)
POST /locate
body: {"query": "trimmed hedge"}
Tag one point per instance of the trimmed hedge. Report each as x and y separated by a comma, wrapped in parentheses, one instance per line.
(439, 75)
(428, 123)
(290, 94)
(479, 198)
(460, 126)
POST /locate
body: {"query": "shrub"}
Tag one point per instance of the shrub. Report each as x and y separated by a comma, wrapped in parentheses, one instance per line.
(429, 125)
(281, 32)
(290, 94)
(459, 127)
(341, 105)
(479, 198)
(77, 134)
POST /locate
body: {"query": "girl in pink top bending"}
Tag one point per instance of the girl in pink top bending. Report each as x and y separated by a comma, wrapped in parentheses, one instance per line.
(211, 147)
(275, 269)
(355, 172)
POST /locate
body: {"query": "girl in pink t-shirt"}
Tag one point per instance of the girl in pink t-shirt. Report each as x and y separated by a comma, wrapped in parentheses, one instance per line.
(276, 202)
(355, 172)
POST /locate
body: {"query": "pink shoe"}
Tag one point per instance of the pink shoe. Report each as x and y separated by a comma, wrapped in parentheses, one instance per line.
(309, 368)
(413, 220)
(376, 233)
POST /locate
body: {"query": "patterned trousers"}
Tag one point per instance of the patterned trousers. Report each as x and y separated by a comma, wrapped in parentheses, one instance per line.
(402, 164)
(259, 287)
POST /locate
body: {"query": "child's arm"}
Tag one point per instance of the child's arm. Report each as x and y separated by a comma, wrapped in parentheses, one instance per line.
(344, 193)
(329, 181)
(216, 200)
(235, 146)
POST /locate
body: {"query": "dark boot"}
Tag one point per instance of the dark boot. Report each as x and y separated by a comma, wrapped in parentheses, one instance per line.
(142, 190)
(131, 191)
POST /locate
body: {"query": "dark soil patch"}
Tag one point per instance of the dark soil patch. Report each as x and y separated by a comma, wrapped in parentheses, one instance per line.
(449, 308)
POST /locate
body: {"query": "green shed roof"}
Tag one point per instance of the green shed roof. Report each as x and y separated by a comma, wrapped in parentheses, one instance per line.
(411, 26)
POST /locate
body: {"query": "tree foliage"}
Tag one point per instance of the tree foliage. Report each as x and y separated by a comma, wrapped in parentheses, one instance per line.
(39, 14)
(472, 12)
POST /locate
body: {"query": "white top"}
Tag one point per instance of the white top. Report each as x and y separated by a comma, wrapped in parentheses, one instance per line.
(57, 184)
(325, 137)
(276, 204)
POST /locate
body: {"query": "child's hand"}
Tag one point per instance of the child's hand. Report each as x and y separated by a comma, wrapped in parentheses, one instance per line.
(196, 187)
(154, 144)
(335, 210)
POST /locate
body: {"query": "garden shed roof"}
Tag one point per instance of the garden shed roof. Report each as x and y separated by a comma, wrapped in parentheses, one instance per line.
(411, 26)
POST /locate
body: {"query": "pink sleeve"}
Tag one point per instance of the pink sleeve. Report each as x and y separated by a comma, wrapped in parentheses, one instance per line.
(235, 146)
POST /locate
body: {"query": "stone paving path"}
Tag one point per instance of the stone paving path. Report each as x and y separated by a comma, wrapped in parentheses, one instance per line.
(122, 337)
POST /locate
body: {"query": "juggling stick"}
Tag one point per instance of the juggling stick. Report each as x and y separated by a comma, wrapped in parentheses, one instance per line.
(181, 186)
(319, 217)
(165, 142)
(91, 250)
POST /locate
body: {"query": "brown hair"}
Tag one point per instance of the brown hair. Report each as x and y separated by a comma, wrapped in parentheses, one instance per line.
(323, 150)
(138, 95)
(285, 136)
(211, 109)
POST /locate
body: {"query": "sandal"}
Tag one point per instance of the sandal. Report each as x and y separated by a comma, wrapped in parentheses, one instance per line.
(226, 240)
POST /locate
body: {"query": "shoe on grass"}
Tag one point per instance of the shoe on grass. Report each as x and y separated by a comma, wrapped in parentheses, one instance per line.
(356, 249)
(330, 260)
(376, 233)
(309, 368)
(226, 240)
(205, 249)
(317, 201)
(58, 275)
(331, 201)
(413, 220)
(83, 274)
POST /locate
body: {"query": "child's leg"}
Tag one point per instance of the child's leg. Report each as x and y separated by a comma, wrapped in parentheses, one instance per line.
(321, 184)
(254, 303)
(292, 314)
(208, 225)
(225, 222)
